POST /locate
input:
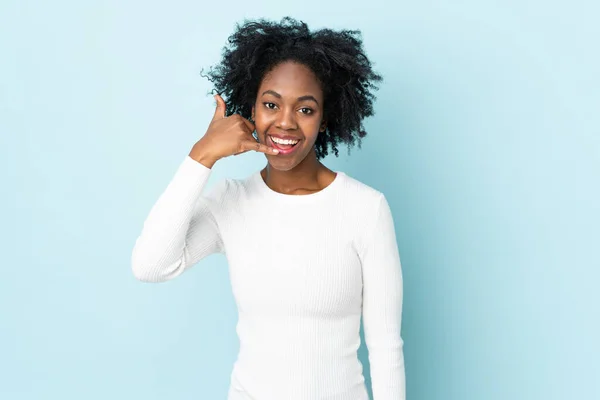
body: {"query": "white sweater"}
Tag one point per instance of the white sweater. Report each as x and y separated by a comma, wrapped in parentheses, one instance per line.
(303, 269)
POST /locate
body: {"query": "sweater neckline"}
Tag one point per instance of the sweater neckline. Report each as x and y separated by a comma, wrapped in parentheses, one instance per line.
(267, 191)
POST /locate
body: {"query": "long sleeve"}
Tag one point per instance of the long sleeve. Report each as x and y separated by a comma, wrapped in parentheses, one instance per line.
(382, 308)
(180, 229)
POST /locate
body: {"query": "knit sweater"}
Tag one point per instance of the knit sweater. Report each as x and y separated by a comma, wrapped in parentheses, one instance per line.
(303, 269)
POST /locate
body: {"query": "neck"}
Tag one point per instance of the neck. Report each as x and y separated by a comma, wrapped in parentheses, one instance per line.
(305, 177)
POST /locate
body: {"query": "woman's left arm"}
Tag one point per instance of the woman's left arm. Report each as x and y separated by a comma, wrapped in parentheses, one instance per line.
(382, 307)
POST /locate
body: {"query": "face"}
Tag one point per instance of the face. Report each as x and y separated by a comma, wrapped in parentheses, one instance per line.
(288, 114)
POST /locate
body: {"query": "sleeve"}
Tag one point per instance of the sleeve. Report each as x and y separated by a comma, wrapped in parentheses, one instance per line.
(180, 229)
(382, 307)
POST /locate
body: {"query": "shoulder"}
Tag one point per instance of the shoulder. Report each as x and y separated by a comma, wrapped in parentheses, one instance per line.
(361, 194)
(370, 213)
(360, 204)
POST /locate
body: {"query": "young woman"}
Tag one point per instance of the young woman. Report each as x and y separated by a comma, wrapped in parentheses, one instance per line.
(310, 250)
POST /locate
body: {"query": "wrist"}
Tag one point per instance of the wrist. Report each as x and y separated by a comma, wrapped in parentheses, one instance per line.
(198, 155)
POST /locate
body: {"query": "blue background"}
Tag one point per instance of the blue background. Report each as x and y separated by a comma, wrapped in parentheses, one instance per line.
(486, 142)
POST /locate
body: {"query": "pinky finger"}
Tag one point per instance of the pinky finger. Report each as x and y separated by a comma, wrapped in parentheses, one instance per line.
(255, 146)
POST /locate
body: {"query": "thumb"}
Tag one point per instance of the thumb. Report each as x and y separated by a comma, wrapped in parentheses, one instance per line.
(221, 107)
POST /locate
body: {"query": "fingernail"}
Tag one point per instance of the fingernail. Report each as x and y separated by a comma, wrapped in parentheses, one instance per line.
(275, 151)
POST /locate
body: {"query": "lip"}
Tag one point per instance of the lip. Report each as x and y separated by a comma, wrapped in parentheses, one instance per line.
(284, 137)
(283, 151)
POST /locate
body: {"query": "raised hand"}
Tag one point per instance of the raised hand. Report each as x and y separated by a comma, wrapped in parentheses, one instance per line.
(226, 136)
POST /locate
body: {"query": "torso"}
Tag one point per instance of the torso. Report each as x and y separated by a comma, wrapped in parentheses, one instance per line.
(296, 276)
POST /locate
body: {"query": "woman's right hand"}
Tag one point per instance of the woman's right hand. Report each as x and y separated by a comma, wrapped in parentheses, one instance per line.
(226, 136)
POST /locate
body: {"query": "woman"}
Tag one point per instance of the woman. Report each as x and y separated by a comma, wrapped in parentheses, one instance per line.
(310, 250)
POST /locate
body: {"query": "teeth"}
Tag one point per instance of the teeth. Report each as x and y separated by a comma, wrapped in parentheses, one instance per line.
(284, 141)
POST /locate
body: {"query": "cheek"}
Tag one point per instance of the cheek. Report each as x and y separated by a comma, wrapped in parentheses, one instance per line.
(310, 127)
(262, 122)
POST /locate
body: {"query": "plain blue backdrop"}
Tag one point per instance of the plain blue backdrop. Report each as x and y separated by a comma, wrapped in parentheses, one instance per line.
(486, 142)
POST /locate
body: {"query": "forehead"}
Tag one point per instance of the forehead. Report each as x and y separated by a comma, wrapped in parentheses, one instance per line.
(291, 79)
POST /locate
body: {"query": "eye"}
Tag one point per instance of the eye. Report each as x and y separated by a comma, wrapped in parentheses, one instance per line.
(270, 106)
(306, 110)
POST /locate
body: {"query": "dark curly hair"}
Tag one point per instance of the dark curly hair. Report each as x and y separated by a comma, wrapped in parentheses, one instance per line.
(336, 58)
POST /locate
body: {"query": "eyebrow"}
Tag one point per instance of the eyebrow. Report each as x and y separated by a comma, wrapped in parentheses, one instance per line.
(301, 98)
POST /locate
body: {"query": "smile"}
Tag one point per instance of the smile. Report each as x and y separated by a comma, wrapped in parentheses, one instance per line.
(284, 146)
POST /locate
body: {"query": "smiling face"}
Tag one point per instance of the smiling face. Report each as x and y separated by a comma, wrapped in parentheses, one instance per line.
(288, 114)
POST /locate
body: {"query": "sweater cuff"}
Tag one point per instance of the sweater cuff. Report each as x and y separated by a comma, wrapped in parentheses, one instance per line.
(194, 167)
(189, 179)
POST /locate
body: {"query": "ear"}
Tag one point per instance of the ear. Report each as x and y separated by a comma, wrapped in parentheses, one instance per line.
(252, 117)
(323, 126)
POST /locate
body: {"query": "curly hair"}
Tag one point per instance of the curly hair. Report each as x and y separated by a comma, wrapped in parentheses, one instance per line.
(336, 58)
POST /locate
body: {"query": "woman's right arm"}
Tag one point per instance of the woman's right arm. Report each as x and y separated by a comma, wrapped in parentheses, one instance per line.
(181, 228)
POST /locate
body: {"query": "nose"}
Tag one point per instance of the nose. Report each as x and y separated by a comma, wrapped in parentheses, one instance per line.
(286, 120)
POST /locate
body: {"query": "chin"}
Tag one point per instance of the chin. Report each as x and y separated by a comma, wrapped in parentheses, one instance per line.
(282, 164)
